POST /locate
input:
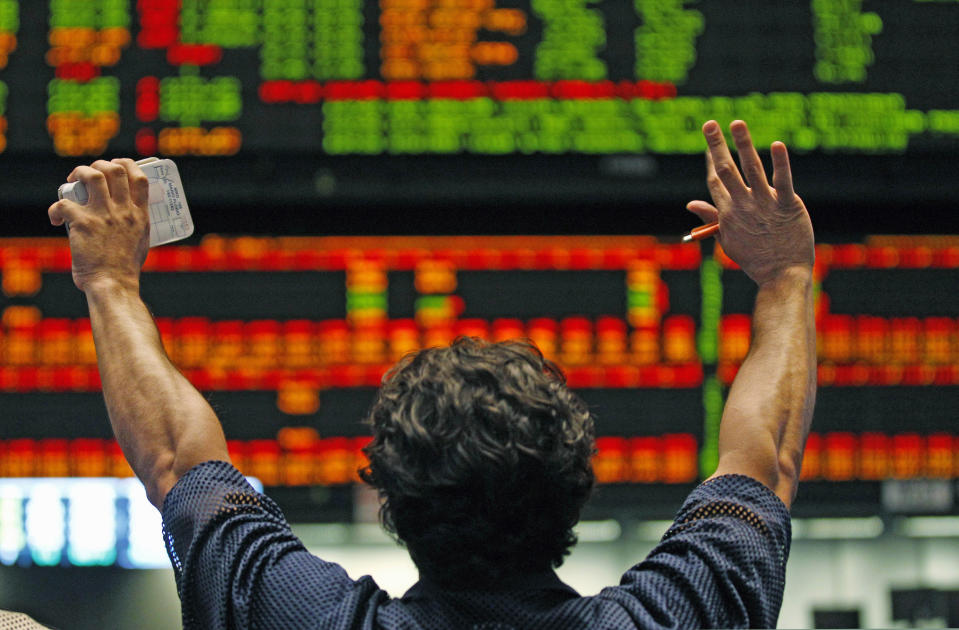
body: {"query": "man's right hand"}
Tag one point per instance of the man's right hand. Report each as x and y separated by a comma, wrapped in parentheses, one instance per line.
(110, 234)
(764, 229)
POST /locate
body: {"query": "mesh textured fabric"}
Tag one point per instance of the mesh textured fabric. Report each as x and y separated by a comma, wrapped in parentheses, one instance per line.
(18, 621)
(238, 565)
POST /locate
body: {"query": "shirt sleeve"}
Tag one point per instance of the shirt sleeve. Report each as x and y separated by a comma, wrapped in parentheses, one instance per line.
(722, 564)
(238, 565)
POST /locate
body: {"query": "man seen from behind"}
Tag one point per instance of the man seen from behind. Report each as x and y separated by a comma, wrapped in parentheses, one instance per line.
(480, 453)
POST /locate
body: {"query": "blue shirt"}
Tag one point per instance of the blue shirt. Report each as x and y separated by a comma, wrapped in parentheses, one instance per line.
(238, 565)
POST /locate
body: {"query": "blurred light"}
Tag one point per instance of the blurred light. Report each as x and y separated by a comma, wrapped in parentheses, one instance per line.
(371, 534)
(144, 549)
(598, 531)
(837, 528)
(92, 508)
(652, 530)
(81, 522)
(45, 523)
(929, 527)
(12, 536)
(322, 534)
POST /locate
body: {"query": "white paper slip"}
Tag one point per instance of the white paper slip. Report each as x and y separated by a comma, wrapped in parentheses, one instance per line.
(170, 218)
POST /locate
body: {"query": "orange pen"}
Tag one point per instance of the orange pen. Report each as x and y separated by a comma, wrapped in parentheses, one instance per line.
(702, 232)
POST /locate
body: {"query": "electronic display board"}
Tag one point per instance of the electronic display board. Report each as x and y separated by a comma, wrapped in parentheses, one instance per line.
(349, 100)
(289, 336)
(299, 116)
(80, 521)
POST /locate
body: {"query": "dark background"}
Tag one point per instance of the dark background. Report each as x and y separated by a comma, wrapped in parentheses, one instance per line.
(282, 183)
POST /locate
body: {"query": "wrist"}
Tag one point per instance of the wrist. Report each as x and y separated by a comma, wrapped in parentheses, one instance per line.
(103, 285)
(797, 275)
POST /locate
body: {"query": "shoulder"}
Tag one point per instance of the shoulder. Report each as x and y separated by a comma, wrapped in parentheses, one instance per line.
(736, 501)
(201, 507)
(722, 561)
(235, 557)
(209, 490)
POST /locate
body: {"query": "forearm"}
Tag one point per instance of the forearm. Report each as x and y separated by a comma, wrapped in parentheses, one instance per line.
(770, 404)
(162, 423)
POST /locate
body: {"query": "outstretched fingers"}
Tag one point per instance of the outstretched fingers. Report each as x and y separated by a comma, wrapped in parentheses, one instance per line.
(715, 185)
(782, 174)
(749, 158)
(722, 161)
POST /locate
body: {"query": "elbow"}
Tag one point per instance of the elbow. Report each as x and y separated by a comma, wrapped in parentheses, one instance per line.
(160, 479)
(158, 489)
(790, 466)
(169, 467)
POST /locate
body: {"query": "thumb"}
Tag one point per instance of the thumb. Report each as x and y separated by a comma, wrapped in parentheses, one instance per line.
(705, 211)
(63, 211)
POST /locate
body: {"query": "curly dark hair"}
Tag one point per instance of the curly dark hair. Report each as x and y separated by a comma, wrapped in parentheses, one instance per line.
(482, 458)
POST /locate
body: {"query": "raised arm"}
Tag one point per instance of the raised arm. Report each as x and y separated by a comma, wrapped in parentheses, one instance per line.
(766, 230)
(163, 424)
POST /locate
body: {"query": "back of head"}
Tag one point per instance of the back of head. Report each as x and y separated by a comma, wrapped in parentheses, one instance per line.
(481, 456)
